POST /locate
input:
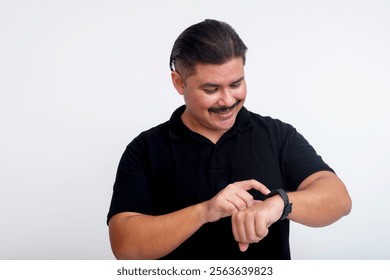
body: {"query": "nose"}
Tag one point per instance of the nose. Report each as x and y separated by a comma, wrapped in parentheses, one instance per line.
(226, 97)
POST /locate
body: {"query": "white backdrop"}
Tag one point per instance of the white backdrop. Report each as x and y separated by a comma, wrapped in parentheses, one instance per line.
(80, 79)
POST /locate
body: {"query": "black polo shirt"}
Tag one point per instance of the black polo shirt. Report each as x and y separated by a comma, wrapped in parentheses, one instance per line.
(170, 167)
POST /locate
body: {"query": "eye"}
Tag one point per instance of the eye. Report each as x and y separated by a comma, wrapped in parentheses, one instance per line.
(210, 90)
(235, 85)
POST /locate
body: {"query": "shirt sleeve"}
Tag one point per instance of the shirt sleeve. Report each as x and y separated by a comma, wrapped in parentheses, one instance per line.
(131, 191)
(300, 160)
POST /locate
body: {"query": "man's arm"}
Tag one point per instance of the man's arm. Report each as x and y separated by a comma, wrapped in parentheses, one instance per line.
(320, 200)
(139, 236)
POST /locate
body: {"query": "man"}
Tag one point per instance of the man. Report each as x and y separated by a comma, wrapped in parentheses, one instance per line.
(217, 181)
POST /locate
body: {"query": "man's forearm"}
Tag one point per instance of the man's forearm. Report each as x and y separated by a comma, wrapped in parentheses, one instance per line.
(138, 236)
(320, 200)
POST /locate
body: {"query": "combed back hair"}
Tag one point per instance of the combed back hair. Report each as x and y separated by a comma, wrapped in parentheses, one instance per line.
(208, 42)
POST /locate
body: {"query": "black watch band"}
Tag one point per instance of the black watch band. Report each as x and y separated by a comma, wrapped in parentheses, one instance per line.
(287, 205)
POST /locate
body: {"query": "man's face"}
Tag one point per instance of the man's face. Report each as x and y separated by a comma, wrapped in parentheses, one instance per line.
(213, 96)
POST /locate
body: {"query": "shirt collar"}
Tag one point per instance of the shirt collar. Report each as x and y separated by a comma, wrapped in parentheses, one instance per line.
(177, 129)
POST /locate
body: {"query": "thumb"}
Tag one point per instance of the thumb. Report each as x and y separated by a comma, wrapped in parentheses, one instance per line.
(243, 246)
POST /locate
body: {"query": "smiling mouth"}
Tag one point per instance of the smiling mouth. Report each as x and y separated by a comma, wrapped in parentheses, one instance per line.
(224, 109)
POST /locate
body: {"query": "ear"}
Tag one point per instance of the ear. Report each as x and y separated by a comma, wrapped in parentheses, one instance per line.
(178, 82)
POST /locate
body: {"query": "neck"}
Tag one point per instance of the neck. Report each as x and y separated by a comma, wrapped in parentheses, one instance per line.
(211, 134)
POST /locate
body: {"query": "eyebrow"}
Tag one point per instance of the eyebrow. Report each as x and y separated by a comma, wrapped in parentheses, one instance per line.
(217, 85)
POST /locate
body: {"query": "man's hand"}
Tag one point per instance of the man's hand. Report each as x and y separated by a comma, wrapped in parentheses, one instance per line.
(233, 198)
(251, 225)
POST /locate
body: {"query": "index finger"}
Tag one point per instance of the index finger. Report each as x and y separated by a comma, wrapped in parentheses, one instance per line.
(252, 184)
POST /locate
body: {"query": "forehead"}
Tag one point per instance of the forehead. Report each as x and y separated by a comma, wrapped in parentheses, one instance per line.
(218, 74)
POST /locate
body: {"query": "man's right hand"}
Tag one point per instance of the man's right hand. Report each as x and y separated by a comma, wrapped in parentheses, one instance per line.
(233, 198)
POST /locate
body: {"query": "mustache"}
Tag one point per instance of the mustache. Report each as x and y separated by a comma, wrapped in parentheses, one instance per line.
(223, 109)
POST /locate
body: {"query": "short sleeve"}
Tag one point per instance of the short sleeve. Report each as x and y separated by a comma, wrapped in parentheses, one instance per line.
(300, 160)
(131, 191)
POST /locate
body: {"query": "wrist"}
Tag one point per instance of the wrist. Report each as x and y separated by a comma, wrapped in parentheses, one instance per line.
(277, 205)
(202, 212)
(282, 197)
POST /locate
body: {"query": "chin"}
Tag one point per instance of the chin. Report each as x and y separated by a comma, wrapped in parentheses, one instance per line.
(226, 124)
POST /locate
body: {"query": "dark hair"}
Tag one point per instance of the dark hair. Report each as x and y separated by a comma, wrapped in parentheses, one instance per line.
(209, 41)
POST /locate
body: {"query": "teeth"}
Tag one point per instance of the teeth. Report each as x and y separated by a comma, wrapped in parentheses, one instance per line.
(224, 112)
(221, 112)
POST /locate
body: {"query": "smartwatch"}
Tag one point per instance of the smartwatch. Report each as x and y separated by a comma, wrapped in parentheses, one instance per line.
(287, 205)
